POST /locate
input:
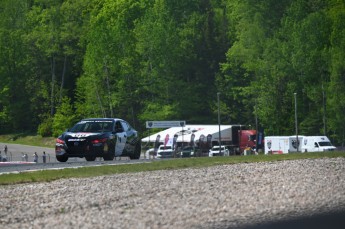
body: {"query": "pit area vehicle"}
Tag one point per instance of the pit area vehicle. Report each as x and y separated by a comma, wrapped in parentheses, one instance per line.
(282, 144)
(98, 137)
(189, 151)
(165, 151)
(316, 144)
(219, 151)
(288, 144)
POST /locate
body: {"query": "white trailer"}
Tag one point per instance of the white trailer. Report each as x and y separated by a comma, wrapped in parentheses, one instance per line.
(316, 144)
(282, 144)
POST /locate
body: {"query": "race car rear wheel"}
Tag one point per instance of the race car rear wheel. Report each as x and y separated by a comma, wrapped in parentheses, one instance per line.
(108, 152)
(137, 152)
(61, 158)
(90, 158)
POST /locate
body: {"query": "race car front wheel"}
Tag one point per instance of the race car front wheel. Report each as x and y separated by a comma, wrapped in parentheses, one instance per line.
(137, 152)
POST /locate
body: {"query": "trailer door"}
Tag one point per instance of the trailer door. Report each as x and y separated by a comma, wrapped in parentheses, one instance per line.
(283, 146)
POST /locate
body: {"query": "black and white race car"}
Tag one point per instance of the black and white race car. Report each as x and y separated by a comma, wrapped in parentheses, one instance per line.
(98, 137)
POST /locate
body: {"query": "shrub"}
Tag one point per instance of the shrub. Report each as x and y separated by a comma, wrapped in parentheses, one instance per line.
(45, 128)
(64, 118)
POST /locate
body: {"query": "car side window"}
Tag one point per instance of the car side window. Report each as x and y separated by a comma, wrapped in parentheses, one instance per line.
(125, 126)
(118, 127)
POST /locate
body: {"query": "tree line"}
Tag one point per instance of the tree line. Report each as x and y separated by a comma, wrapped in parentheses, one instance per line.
(63, 60)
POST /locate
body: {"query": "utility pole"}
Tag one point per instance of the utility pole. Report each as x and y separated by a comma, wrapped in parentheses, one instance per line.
(219, 141)
(256, 127)
(295, 94)
(324, 111)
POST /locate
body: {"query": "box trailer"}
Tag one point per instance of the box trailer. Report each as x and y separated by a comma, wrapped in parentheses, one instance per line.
(316, 144)
(282, 144)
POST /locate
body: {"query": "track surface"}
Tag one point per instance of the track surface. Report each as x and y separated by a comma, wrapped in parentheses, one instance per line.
(16, 163)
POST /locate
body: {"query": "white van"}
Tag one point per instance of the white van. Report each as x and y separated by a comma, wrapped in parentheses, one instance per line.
(316, 144)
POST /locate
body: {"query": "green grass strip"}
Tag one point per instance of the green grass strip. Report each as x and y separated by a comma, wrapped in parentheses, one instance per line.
(92, 171)
(32, 140)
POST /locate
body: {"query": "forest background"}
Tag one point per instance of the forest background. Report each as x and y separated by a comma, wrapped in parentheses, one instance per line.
(140, 60)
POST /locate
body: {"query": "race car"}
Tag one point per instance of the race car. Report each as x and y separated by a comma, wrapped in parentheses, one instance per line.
(98, 137)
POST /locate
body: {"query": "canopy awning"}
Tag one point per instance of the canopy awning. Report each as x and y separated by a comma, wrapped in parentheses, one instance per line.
(192, 132)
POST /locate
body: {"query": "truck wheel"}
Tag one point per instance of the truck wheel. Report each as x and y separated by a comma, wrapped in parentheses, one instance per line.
(90, 158)
(137, 152)
(61, 158)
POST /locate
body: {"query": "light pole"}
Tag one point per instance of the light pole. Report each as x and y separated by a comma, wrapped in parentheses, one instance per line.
(324, 111)
(219, 141)
(295, 94)
(256, 128)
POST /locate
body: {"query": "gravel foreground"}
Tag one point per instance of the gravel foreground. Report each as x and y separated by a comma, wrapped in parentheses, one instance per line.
(227, 196)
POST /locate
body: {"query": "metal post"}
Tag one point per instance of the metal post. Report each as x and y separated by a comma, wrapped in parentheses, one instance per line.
(256, 128)
(324, 111)
(295, 94)
(220, 141)
(182, 139)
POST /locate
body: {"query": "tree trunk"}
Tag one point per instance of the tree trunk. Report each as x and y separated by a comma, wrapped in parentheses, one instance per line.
(52, 103)
(63, 78)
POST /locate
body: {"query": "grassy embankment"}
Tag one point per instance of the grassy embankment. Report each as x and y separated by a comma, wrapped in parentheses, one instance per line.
(31, 140)
(50, 175)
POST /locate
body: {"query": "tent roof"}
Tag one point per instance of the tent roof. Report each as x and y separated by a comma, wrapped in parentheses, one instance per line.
(185, 133)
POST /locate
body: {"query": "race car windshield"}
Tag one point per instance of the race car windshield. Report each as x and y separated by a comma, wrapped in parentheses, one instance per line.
(93, 126)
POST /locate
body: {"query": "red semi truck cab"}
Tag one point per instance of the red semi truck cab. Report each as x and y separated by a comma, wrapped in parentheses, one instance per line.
(247, 138)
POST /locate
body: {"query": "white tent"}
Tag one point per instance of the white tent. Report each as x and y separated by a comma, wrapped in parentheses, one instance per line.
(188, 132)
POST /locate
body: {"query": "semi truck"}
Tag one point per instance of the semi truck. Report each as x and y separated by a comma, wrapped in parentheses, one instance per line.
(240, 139)
(247, 139)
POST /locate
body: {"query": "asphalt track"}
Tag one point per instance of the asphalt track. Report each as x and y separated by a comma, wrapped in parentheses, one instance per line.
(332, 220)
(16, 163)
